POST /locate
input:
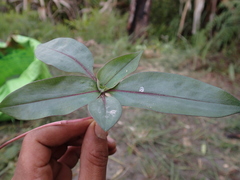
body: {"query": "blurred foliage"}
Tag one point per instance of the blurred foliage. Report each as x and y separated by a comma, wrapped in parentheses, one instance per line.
(8, 157)
(4, 7)
(109, 26)
(103, 27)
(90, 3)
(55, 10)
(221, 36)
(164, 19)
(225, 28)
(29, 24)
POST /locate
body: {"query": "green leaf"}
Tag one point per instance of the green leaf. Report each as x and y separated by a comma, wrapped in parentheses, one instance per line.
(19, 66)
(68, 55)
(49, 97)
(106, 111)
(115, 70)
(170, 93)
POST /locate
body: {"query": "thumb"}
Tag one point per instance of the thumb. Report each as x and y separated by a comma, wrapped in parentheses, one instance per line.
(94, 154)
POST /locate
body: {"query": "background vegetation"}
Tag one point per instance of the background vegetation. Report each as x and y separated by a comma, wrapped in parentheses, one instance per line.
(150, 145)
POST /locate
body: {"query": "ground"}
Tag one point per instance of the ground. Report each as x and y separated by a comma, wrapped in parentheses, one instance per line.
(153, 145)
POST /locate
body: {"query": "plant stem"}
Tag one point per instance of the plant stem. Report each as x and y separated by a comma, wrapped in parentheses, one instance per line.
(40, 127)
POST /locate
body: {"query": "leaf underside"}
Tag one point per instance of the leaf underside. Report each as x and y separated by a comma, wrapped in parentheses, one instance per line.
(68, 55)
(175, 94)
(106, 111)
(49, 97)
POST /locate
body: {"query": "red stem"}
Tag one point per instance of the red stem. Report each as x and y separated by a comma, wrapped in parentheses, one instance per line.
(45, 125)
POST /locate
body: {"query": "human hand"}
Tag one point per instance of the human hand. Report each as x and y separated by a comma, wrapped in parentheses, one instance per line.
(51, 152)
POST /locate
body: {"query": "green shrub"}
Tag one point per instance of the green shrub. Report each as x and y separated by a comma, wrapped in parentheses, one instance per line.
(102, 27)
(222, 34)
(164, 19)
(29, 24)
(226, 26)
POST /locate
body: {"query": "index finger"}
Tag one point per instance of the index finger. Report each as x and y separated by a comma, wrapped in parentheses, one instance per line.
(59, 134)
(37, 146)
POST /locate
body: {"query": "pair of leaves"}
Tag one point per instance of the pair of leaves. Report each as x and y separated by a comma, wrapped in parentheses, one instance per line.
(162, 92)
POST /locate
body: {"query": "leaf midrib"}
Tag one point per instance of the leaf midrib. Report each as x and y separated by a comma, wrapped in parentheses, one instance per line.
(164, 95)
(48, 99)
(119, 71)
(79, 63)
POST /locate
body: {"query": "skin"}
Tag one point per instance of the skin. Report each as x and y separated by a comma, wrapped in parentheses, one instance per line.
(50, 153)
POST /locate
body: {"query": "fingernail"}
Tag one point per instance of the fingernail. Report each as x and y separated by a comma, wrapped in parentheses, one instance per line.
(100, 132)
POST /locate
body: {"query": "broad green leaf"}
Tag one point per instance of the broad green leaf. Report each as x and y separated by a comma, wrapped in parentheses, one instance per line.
(106, 111)
(49, 97)
(68, 55)
(19, 66)
(115, 70)
(170, 93)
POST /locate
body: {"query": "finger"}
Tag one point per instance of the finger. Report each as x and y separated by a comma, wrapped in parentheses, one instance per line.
(37, 146)
(111, 146)
(94, 154)
(59, 151)
(71, 157)
(71, 154)
(67, 132)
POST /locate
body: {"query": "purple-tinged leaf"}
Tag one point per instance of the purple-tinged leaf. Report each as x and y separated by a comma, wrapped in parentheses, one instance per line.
(170, 93)
(68, 55)
(106, 111)
(50, 97)
(115, 70)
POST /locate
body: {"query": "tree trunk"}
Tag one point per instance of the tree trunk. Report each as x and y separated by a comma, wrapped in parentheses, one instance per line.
(183, 17)
(139, 18)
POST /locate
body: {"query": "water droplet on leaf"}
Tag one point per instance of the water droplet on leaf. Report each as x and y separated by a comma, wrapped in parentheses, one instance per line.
(141, 89)
(113, 112)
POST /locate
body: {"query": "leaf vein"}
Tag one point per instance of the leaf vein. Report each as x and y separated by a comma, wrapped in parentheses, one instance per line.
(48, 99)
(79, 63)
(119, 71)
(163, 95)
